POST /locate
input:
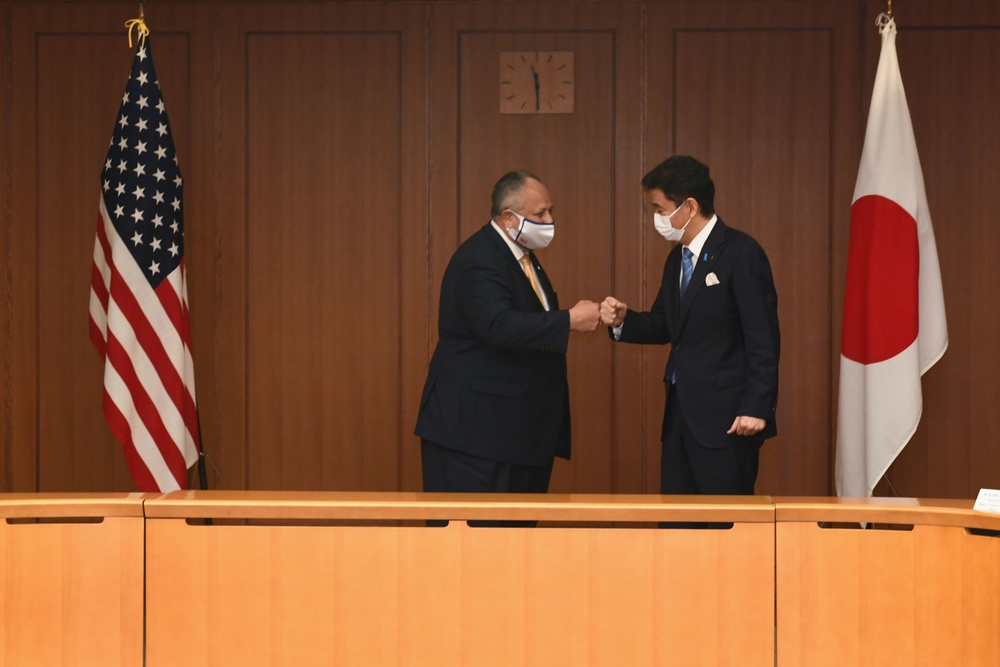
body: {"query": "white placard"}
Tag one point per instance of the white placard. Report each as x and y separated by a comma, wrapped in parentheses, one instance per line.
(988, 501)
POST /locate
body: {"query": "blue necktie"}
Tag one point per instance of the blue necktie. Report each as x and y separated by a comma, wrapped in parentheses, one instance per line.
(687, 268)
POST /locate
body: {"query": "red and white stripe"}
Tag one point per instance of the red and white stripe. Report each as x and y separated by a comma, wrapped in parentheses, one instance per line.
(144, 336)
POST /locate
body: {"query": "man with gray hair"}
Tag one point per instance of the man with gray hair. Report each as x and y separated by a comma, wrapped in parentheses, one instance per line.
(495, 408)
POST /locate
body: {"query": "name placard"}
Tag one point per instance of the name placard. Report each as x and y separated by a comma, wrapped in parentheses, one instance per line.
(988, 501)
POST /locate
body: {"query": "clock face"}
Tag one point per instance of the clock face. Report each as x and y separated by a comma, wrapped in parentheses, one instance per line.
(536, 82)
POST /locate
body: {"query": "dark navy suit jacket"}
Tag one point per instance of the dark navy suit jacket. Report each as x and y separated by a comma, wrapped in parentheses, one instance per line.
(724, 336)
(496, 386)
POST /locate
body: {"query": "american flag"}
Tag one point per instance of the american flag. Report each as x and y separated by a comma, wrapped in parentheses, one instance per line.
(139, 319)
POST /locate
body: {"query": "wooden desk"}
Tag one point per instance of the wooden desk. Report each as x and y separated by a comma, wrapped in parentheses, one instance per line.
(273, 594)
(929, 595)
(71, 590)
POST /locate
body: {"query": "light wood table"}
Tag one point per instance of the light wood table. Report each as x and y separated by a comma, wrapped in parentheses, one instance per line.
(260, 587)
(921, 588)
(71, 590)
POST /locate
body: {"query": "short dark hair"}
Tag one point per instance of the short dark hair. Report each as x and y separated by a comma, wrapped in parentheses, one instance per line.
(680, 177)
(508, 189)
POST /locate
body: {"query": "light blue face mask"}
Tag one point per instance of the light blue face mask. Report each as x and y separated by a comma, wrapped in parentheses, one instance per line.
(532, 234)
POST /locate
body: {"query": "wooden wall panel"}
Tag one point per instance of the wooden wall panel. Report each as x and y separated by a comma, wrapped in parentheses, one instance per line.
(64, 113)
(760, 97)
(225, 430)
(334, 232)
(7, 391)
(323, 257)
(75, 448)
(949, 58)
(20, 293)
(577, 155)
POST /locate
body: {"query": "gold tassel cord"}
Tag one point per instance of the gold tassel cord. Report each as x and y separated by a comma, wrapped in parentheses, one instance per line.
(139, 25)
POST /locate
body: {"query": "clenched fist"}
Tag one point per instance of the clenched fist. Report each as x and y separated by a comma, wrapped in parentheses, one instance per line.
(613, 312)
(584, 317)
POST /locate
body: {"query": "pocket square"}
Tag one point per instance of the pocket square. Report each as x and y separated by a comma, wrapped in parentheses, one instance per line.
(711, 279)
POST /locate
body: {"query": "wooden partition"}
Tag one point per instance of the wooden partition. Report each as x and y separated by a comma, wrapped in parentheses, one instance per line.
(71, 580)
(358, 579)
(921, 586)
(288, 578)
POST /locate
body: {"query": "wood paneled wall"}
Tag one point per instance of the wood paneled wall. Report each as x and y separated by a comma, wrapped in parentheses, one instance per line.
(336, 153)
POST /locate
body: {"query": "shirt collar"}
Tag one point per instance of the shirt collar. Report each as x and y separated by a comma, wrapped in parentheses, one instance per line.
(514, 247)
(698, 242)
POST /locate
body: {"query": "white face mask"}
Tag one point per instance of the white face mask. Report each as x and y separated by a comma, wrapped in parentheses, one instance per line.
(532, 234)
(668, 231)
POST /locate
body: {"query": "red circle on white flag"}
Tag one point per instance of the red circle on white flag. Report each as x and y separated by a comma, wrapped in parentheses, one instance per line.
(881, 301)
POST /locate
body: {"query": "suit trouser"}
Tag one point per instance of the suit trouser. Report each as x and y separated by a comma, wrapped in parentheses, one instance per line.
(449, 470)
(688, 467)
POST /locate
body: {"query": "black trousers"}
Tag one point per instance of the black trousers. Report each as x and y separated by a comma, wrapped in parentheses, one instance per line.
(451, 471)
(689, 468)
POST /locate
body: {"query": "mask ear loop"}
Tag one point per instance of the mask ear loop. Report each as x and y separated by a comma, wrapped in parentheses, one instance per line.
(671, 216)
(520, 226)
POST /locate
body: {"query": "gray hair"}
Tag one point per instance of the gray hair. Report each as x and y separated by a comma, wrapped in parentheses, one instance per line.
(507, 191)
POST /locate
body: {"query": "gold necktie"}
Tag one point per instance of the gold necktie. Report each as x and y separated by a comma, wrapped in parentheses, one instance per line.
(529, 271)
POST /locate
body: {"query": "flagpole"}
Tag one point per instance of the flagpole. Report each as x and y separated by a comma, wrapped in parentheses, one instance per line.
(202, 476)
(202, 473)
(887, 477)
(894, 326)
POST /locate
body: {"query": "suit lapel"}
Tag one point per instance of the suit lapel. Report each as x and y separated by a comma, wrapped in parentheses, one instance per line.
(521, 280)
(506, 258)
(706, 261)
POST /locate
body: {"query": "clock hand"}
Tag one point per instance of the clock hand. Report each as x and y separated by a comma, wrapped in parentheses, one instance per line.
(534, 73)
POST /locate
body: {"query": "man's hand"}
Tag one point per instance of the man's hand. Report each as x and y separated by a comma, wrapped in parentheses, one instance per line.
(584, 317)
(613, 312)
(746, 426)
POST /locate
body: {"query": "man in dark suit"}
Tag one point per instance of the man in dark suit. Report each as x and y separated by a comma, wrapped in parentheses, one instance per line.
(718, 309)
(495, 408)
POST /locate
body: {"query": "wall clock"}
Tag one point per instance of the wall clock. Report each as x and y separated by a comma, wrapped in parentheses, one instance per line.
(536, 82)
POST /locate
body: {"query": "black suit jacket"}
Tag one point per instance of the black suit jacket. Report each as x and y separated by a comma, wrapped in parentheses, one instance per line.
(724, 336)
(496, 386)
